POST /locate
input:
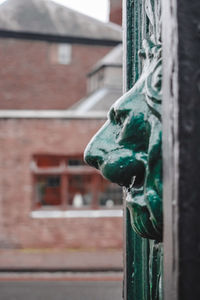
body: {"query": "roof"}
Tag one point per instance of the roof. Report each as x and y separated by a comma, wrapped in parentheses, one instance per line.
(113, 58)
(46, 17)
(99, 101)
(102, 99)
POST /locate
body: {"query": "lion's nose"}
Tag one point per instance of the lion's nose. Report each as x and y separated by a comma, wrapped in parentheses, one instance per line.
(92, 157)
(93, 160)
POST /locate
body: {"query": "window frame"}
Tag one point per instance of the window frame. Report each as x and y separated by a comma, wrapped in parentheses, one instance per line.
(65, 171)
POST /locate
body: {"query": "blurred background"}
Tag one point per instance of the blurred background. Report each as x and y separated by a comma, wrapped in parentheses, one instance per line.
(60, 221)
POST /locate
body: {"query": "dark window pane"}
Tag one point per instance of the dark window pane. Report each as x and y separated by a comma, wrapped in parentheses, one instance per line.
(111, 196)
(48, 190)
(75, 162)
(79, 191)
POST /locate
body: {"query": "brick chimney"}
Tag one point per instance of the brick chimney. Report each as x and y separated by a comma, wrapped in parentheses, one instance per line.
(116, 11)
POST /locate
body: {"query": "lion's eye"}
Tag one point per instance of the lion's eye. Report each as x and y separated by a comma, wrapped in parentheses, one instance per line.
(135, 130)
(120, 116)
(119, 120)
(112, 115)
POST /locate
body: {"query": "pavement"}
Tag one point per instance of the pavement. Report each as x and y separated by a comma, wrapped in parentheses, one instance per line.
(61, 260)
(60, 274)
(61, 286)
(61, 290)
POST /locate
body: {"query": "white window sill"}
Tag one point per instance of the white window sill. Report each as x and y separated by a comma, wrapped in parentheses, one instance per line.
(54, 214)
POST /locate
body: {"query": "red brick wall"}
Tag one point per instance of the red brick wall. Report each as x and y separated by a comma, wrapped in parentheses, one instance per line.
(19, 140)
(31, 80)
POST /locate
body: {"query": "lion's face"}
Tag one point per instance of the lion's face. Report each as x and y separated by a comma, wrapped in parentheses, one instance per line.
(127, 151)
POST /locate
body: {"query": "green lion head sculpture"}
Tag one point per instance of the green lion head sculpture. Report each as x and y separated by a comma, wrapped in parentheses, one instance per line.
(127, 149)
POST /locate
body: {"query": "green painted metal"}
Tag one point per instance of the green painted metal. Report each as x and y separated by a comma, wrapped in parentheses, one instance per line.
(127, 150)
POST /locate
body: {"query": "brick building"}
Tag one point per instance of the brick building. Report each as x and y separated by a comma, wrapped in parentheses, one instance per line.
(49, 198)
(46, 51)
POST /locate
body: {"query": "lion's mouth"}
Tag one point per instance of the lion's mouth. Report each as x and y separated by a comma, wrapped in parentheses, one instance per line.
(137, 181)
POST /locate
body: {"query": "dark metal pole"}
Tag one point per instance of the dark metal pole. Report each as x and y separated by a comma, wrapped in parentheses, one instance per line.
(181, 151)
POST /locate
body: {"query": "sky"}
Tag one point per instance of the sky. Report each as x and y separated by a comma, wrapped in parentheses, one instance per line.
(98, 9)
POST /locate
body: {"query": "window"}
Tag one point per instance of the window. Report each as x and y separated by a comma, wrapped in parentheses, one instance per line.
(68, 183)
(79, 191)
(111, 196)
(64, 54)
(48, 190)
(60, 53)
